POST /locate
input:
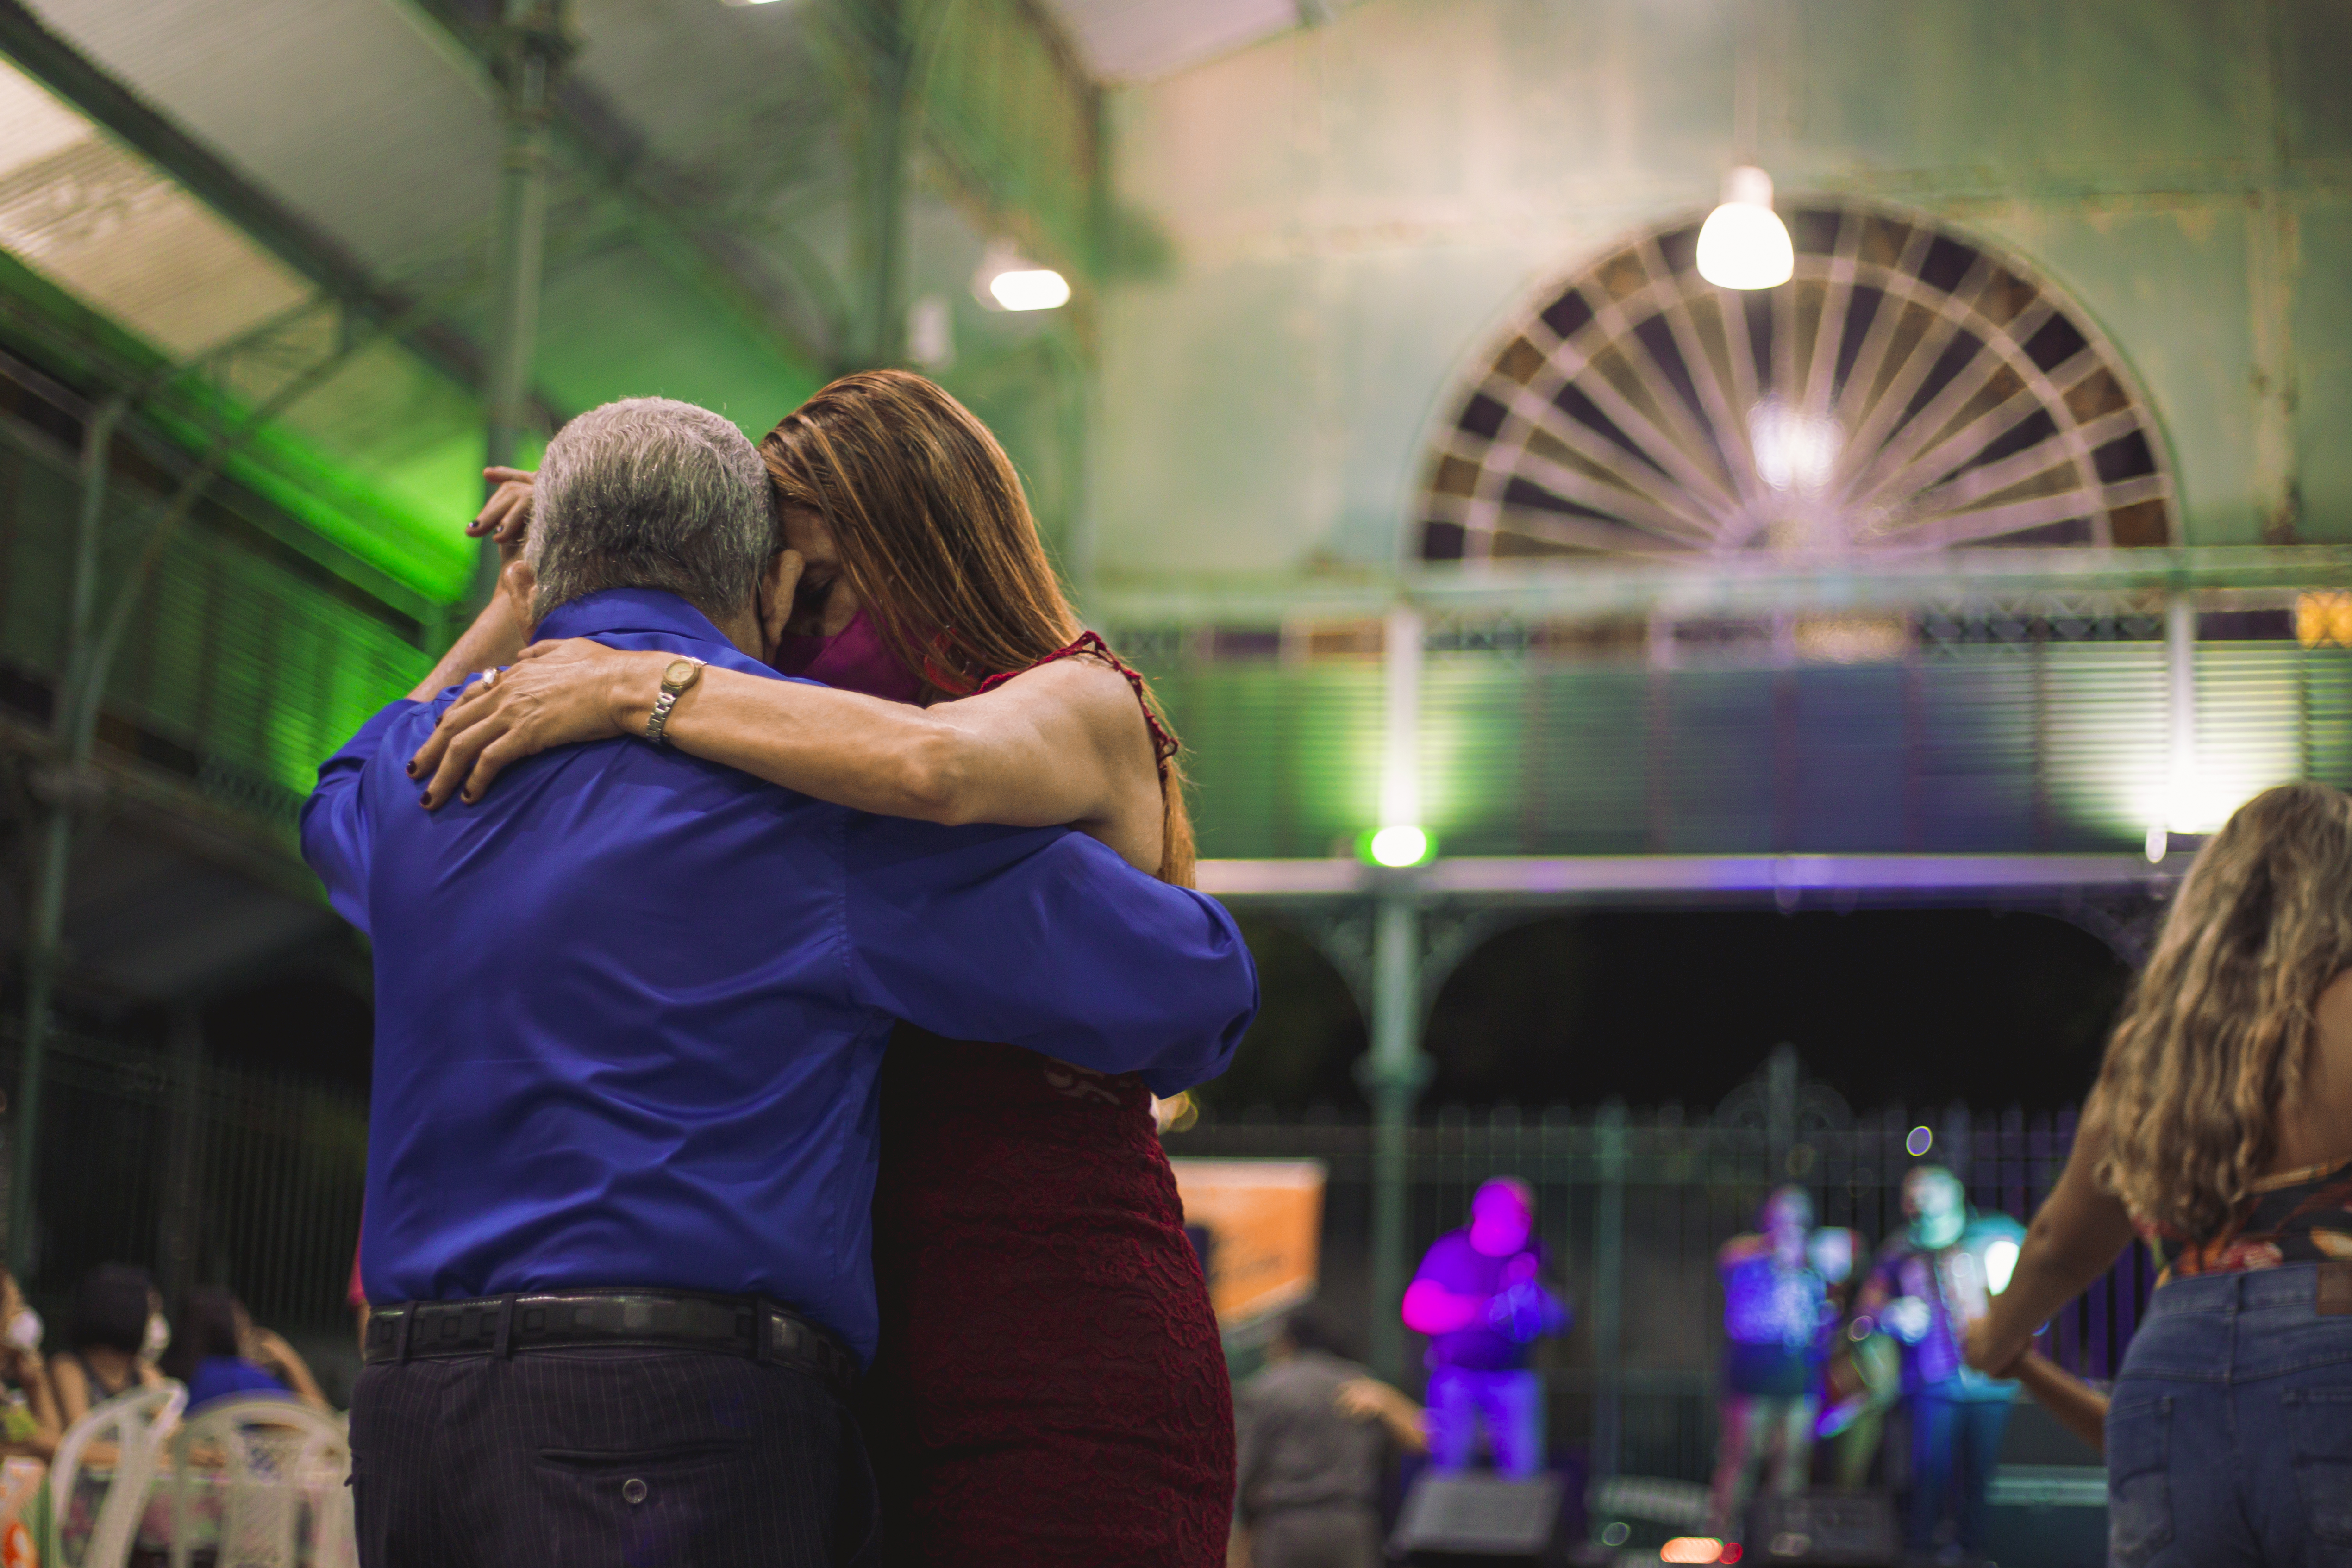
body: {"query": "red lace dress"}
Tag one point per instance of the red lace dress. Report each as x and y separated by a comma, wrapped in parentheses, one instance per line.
(1050, 1391)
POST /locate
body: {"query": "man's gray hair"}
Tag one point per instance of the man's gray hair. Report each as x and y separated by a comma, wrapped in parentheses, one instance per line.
(651, 493)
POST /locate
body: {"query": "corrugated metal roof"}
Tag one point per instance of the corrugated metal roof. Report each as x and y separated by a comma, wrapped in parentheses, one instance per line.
(113, 231)
(1133, 40)
(348, 110)
(110, 229)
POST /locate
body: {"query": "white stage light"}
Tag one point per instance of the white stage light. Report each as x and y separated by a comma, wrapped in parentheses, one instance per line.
(1743, 243)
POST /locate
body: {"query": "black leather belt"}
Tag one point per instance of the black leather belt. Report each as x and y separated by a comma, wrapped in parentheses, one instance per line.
(567, 1320)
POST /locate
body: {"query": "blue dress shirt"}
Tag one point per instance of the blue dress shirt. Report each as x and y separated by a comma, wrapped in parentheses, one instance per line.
(631, 1005)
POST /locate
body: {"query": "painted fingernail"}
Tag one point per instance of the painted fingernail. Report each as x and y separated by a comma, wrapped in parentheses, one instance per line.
(412, 768)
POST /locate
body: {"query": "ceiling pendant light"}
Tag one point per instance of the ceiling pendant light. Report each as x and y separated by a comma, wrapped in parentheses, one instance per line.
(1007, 280)
(1743, 243)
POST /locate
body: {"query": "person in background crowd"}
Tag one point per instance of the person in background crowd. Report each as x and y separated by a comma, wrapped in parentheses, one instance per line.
(2221, 1128)
(1932, 1281)
(28, 1418)
(1775, 1306)
(118, 1331)
(1315, 1429)
(1478, 1294)
(1861, 1374)
(220, 1354)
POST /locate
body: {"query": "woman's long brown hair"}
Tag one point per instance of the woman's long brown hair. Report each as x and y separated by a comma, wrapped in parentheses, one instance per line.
(2220, 1028)
(938, 543)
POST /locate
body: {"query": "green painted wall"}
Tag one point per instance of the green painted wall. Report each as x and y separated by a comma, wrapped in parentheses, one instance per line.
(1351, 209)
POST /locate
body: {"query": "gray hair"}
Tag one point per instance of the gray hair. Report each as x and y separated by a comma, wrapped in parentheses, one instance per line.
(651, 493)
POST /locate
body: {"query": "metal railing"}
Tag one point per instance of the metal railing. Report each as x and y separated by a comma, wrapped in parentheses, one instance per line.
(202, 1173)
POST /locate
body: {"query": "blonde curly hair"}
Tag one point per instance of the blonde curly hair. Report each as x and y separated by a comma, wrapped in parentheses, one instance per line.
(2217, 1030)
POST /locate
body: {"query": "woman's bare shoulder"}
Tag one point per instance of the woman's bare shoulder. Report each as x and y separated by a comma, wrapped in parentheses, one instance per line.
(1093, 693)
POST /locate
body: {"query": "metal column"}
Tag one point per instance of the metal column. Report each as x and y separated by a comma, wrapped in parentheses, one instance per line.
(1394, 1076)
(70, 728)
(178, 1241)
(535, 49)
(1396, 1069)
(1608, 1290)
(2180, 802)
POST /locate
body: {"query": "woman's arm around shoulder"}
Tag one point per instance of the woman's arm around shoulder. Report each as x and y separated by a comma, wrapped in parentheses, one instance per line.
(1064, 744)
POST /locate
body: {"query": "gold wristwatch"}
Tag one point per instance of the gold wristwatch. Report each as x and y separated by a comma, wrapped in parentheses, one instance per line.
(681, 675)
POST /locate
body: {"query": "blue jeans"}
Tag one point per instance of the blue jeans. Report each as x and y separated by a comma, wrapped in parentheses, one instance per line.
(1509, 1405)
(1955, 1444)
(2230, 1432)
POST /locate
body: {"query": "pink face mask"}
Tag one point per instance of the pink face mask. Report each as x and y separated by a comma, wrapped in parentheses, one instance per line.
(854, 660)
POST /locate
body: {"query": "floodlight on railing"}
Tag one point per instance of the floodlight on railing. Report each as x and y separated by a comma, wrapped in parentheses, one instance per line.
(1397, 846)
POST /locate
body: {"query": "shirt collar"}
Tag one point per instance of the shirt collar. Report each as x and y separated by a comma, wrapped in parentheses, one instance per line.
(642, 610)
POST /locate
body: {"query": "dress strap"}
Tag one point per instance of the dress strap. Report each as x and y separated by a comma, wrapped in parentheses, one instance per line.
(1164, 746)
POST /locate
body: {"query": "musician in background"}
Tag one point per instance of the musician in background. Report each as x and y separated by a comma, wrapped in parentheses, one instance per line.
(1479, 1295)
(1861, 1374)
(1933, 1278)
(1776, 1307)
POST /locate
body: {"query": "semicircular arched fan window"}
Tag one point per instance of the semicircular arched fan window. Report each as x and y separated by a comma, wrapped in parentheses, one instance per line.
(1907, 391)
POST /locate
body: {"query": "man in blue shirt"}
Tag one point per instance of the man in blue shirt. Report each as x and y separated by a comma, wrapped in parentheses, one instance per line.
(630, 1009)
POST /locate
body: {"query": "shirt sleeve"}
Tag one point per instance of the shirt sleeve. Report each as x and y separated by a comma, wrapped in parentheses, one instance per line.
(1044, 938)
(336, 838)
(1437, 1266)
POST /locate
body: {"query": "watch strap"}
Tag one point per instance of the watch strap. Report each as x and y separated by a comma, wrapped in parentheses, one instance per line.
(657, 721)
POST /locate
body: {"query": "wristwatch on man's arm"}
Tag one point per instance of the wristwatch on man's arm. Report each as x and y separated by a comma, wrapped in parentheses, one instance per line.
(676, 680)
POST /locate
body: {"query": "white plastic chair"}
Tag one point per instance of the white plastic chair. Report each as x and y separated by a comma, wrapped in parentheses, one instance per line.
(138, 1424)
(268, 1457)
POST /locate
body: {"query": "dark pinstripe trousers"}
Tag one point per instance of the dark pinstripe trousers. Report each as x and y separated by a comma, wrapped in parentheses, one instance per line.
(582, 1459)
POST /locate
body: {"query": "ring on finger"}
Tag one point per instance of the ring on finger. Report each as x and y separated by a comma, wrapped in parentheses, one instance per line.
(488, 677)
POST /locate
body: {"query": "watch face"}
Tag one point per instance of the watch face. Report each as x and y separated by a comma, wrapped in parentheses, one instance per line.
(680, 671)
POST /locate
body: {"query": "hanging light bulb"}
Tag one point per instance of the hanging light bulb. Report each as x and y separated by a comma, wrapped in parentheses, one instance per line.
(1007, 280)
(1743, 243)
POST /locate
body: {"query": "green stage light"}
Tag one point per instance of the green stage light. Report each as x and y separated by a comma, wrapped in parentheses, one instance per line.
(1397, 846)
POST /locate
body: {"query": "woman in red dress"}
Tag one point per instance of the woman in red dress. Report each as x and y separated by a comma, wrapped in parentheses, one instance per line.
(1050, 1388)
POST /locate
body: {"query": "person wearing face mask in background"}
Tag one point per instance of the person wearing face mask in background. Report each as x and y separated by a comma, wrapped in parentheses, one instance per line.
(1932, 1280)
(118, 1331)
(1478, 1294)
(28, 1418)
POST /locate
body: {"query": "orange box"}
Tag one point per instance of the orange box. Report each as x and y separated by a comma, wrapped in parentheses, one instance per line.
(1264, 1220)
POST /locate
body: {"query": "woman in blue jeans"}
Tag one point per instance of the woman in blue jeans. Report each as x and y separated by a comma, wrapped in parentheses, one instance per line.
(2220, 1130)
